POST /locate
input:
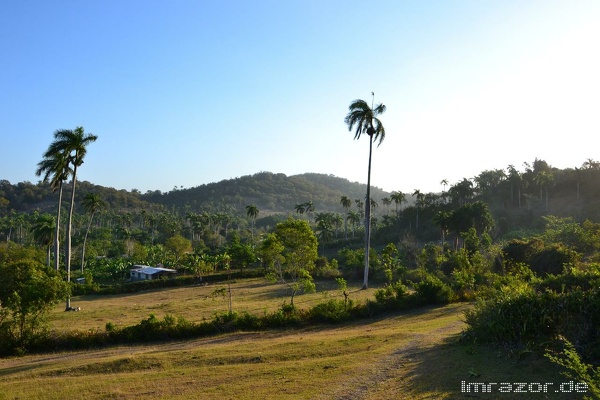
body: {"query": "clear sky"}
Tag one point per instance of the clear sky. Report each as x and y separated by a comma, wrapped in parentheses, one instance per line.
(183, 93)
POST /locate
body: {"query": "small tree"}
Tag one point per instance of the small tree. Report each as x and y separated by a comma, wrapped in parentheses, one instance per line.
(343, 287)
(196, 265)
(178, 246)
(242, 254)
(28, 290)
(298, 246)
(270, 256)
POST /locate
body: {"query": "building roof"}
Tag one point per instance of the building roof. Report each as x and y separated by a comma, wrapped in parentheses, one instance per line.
(145, 269)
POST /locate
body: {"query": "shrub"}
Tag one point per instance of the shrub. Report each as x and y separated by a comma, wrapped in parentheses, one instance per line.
(576, 368)
(431, 290)
(28, 290)
(287, 315)
(520, 314)
(392, 297)
(331, 311)
(326, 269)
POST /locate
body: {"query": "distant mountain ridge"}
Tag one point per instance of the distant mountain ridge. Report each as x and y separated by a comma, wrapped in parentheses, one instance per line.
(270, 192)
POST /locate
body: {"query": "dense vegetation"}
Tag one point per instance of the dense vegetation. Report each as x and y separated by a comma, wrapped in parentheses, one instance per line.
(524, 246)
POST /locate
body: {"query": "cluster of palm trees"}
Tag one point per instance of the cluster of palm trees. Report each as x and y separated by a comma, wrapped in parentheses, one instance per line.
(61, 161)
(328, 225)
(212, 222)
(305, 208)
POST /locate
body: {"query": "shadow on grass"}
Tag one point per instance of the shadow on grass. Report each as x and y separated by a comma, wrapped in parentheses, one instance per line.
(451, 368)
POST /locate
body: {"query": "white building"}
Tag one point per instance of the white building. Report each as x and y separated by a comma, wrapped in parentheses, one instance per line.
(145, 272)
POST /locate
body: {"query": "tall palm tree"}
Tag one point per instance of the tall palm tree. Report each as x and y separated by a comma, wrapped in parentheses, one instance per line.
(442, 219)
(544, 179)
(324, 223)
(309, 208)
(420, 196)
(299, 209)
(43, 230)
(252, 213)
(444, 183)
(56, 169)
(386, 202)
(346, 203)
(73, 144)
(398, 198)
(354, 219)
(364, 118)
(361, 207)
(92, 203)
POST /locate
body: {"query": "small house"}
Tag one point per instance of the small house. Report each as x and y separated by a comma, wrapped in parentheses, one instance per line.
(144, 272)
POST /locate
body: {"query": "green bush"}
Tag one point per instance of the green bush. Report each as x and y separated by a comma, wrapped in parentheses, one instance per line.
(392, 297)
(331, 311)
(576, 368)
(287, 315)
(431, 290)
(521, 314)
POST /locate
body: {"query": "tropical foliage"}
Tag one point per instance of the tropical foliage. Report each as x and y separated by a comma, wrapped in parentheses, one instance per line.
(523, 247)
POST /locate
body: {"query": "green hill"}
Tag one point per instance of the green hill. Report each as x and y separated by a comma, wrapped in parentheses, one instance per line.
(270, 192)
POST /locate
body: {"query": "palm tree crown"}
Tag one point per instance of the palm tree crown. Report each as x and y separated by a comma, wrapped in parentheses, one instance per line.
(72, 143)
(365, 120)
(55, 167)
(252, 211)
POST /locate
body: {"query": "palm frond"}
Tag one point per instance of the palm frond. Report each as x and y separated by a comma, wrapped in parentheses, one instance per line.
(361, 116)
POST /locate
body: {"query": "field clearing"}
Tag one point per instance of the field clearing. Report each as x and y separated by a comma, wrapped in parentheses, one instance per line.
(195, 303)
(410, 355)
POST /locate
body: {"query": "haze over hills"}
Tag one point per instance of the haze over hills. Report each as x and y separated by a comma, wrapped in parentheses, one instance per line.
(270, 192)
(562, 192)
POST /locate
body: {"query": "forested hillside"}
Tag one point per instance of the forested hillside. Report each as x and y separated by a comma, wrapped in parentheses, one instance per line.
(516, 199)
(28, 197)
(270, 192)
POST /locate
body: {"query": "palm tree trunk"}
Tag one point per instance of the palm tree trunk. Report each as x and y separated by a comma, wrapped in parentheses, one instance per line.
(68, 245)
(368, 217)
(346, 227)
(57, 232)
(84, 241)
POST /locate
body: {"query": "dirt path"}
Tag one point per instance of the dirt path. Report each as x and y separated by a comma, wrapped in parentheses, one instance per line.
(393, 367)
(386, 358)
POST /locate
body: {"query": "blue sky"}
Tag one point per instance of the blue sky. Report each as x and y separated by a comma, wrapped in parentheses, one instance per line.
(183, 93)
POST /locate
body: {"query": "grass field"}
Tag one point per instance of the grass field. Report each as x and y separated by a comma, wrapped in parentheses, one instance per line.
(413, 355)
(195, 303)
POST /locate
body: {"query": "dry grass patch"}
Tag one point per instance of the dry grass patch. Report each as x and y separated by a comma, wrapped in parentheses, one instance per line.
(414, 355)
(194, 303)
(298, 364)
